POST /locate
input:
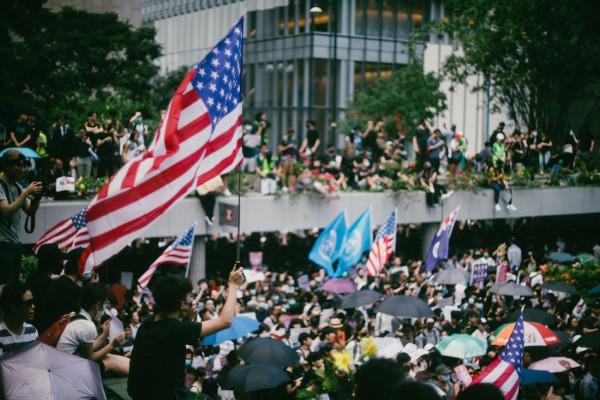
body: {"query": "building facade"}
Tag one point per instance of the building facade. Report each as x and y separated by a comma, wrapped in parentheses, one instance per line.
(304, 59)
(127, 10)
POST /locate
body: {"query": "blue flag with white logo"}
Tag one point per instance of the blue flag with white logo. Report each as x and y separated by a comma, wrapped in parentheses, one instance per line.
(356, 242)
(438, 248)
(328, 246)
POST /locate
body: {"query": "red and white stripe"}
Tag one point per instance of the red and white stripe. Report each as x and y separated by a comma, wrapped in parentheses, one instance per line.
(503, 375)
(172, 256)
(379, 255)
(64, 235)
(184, 155)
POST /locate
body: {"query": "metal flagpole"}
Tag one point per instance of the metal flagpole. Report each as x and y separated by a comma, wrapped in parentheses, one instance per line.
(239, 213)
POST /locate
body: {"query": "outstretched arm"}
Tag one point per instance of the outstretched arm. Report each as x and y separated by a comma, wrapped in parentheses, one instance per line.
(236, 277)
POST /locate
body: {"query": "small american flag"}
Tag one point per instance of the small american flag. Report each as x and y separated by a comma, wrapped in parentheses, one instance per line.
(383, 246)
(198, 139)
(504, 371)
(178, 253)
(67, 234)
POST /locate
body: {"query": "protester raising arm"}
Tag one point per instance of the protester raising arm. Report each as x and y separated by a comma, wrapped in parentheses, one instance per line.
(236, 278)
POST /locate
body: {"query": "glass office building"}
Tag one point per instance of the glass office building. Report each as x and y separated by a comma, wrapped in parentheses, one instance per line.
(304, 65)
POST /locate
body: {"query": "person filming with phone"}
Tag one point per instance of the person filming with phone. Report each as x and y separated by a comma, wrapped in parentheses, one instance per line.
(13, 197)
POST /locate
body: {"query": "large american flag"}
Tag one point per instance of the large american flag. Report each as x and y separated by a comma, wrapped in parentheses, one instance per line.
(504, 371)
(199, 138)
(67, 234)
(178, 253)
(383, 246)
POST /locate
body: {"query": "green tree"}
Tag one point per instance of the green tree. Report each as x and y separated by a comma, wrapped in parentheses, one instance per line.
(542, 57)
(406, 97)
(72, 62)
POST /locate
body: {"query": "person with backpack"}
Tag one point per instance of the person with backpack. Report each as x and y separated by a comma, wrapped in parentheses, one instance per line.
(80, 336)
(12, 199)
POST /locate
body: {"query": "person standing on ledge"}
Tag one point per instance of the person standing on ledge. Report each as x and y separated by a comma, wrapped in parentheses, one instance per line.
(157, 366)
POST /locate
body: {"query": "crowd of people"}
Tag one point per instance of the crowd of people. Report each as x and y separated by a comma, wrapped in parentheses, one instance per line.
(371, 157)
(159, 347)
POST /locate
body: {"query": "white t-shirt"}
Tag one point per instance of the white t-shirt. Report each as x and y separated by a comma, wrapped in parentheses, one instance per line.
(76, 333)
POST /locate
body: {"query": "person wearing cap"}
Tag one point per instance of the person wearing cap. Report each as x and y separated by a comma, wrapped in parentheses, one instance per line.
(443, 380)
(499, 150)
(13, 197)
(428, 335)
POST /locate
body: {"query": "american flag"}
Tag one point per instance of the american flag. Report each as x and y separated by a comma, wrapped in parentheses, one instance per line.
(383, 246)
(178, 253)
(67, 234)
(198, 139)
(504, 371)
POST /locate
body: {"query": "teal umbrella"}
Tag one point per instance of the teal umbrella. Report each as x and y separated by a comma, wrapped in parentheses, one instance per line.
(595, 291)
(240, 327)
(26, 151)
(561, 257)
(461, 346)
(585, 257)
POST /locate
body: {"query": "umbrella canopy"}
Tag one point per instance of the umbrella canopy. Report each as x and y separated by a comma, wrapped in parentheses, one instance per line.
(515, 290)
(249, 378)
(554, 364)
(451, 276)
(388, 347)
(26, 151)
(531, 376)
(561, 257)
(268, 351)
(560, 286)
(360, 298)
(591, 339)
(535, 335)
(339, 286)
(585, 257)
(405, 306)
(534, 315)
(39, 371)
(240, 327)
(461, 346)
(595, 291)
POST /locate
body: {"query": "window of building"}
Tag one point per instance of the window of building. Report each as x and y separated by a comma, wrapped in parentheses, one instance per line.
(402, 23)
(289, 75)
(373, 18)
(387, 18)
(321, 81)
(302, 10)
(370, 74)
(251, 25)
(360, 18)
(420, 13)
(281, 20)
(251, 85)
(358, 75)
(291, 16)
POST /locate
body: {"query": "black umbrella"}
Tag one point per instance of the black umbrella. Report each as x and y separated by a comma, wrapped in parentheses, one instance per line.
(591, 339)
(534, 315)
(405, 306)
(360, 298)
(249, 378)
(268, 351)
(560, 286)
(515, 290)
(451, 276)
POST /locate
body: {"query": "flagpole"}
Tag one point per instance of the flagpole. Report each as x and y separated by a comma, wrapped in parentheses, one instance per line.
(239, 213)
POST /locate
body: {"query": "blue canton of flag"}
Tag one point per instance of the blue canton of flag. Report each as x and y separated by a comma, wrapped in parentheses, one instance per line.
(513, 352)
(438, 249)
(186, 240)
(79, 219)
(219, 75)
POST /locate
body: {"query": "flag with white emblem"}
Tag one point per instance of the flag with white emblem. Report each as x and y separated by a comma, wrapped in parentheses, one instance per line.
(440, 244)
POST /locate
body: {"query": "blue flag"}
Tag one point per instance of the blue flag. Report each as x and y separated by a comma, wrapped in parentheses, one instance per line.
(356, 242)
(438, 248)
(328, 246)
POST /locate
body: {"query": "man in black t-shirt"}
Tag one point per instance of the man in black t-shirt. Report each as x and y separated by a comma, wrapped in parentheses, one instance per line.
(311, 142)
(157, 367)
(420, 144)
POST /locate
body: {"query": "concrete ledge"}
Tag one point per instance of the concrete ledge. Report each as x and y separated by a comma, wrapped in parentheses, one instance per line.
(274, 213)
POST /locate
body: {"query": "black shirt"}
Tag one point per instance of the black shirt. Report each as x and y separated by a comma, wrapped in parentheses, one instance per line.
(157, 365)
(311, 136)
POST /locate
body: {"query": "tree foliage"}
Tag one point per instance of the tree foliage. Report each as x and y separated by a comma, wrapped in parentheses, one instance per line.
(71, 61)
(406, 97)
(542, 57)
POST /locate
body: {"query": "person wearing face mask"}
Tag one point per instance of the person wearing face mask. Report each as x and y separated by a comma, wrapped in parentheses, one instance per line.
(429, 335)
(443, 380)
(80, 336)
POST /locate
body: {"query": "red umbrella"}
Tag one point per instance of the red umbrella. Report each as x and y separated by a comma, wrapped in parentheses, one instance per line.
(535, 335)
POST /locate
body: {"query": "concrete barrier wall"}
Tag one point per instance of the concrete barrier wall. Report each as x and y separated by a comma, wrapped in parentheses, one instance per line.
(275, 213)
